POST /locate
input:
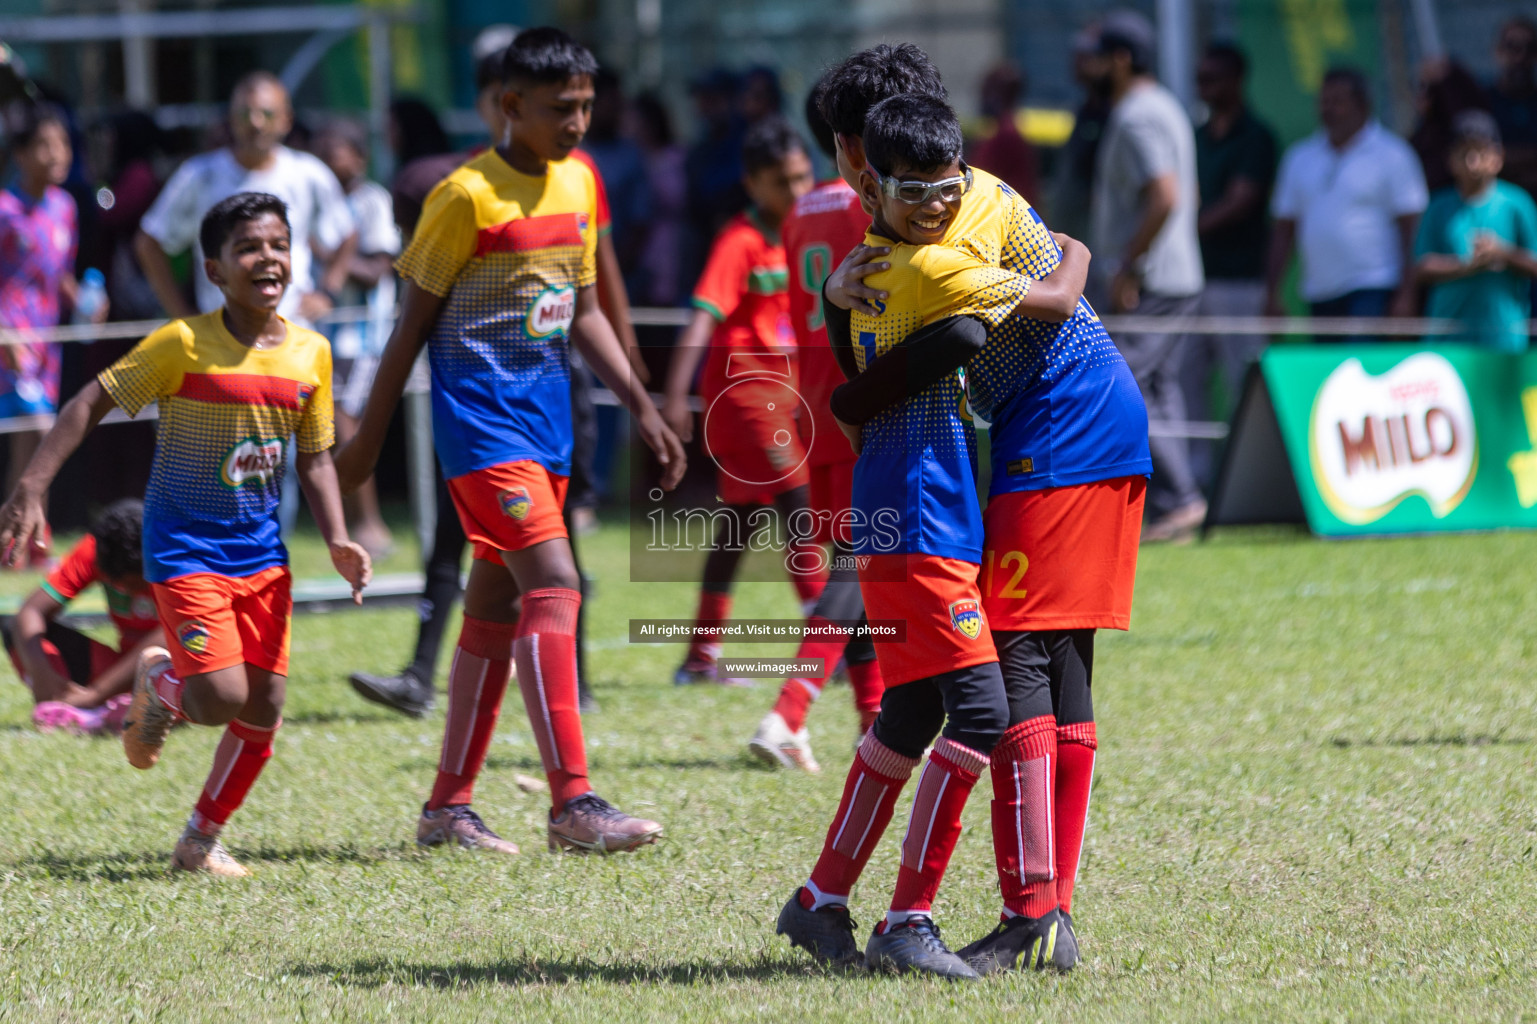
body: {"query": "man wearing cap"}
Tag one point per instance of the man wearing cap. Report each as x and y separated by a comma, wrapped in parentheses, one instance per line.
(1146, 247)
(1477, 246)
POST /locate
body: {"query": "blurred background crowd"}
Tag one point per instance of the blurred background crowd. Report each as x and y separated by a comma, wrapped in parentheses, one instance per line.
(1220, 157)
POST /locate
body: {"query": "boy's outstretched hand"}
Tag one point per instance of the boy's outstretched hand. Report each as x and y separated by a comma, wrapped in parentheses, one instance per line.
(354, 565)
(23, 525)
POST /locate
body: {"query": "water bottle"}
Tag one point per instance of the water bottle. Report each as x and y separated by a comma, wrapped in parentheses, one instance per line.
(90, 297)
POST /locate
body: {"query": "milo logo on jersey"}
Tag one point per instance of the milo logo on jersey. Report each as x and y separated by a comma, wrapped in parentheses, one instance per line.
(254, 460)
(966, 617)
(515, 502)
(193, 636)
(550, 314)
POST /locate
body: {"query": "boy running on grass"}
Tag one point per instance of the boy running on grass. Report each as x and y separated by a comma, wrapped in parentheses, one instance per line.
(917, 460)
(497, 278)
(741, 329)
(1069, 465)
(233, 385)
(78, 683)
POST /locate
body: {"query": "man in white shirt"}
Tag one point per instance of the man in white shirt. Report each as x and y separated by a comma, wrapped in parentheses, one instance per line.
(256, 160)
(1349, 198)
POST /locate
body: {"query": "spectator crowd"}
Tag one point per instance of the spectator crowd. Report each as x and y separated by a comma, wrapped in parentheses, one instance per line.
(1182, 219)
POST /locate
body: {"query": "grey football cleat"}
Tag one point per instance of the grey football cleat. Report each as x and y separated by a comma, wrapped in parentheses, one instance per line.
(827, 934)
(915, 947)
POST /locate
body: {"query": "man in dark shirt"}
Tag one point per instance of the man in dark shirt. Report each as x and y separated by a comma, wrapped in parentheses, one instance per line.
(1513, 100)
(1236, 166)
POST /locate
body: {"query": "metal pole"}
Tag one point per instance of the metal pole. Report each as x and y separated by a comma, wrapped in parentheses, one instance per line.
(139, 62)
(379, 98)
(1427, 28)
(420, 467)
(1176, 48)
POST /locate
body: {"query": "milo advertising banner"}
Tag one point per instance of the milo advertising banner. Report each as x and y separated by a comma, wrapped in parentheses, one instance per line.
(1378, 439)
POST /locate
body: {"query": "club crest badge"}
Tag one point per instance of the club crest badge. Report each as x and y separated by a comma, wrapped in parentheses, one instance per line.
(966, 617)
(515, 502)
(193, 636)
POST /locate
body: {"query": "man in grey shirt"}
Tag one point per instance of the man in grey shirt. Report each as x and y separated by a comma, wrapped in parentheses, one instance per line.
(1148, 255)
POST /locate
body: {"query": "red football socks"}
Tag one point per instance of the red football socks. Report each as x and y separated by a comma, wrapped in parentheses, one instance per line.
(714, 609)
(869, 797)
(808, 585)
(1075, 778)
(476, 683)
(242, 753)
(865, 679)
(546, 655)
(1024, 782)
(933, 826)
(796, 695)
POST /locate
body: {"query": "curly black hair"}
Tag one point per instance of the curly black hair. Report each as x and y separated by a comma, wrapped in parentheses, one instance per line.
(119, 538)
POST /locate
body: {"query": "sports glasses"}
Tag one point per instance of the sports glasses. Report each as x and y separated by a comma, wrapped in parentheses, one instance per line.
(916, 193)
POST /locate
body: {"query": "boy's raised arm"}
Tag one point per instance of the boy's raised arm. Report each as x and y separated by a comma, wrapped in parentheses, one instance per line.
(1055, 297)
(419, 309)
(922, 359)
(594, 337)
(22, 517)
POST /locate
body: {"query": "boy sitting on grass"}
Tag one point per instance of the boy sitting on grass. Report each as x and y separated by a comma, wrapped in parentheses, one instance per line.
(78, 683)
(233, 386)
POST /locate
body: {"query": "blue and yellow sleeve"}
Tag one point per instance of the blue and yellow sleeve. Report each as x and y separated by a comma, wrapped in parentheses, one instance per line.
(151, 370)
(444, 242)
(317, 425)
(958, 284)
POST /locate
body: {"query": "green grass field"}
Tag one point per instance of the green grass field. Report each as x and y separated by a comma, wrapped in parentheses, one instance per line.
(1315, 800)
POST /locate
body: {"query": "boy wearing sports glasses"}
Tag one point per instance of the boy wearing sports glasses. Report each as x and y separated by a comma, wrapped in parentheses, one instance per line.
(918, 532)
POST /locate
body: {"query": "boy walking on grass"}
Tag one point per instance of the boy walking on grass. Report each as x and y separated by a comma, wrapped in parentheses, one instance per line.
(233, 386)
(498, 280)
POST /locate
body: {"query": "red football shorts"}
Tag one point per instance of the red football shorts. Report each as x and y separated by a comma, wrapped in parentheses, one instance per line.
(509, 507)
(832, 498)
(213, 622)
(751, 434)
(938, 600)
(1063, 558)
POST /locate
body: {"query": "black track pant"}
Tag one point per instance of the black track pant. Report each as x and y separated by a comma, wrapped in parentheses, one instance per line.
(730, 542)
(968, 703)
(1048, 672)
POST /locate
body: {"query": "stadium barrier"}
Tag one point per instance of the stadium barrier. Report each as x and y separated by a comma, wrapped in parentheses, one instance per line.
(1277, 465)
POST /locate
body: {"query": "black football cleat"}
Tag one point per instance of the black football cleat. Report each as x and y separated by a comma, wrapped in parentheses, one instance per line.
(827, 934)
(1067, 956)
(406, 693)
(915, 947)
(1021, 943)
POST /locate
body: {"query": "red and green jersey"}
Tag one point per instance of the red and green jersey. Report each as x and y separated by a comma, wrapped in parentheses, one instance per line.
(131, 611)
(821, 228)
(745, 287)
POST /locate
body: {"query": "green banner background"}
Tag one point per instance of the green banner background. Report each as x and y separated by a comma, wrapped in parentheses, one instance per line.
(1501, 394)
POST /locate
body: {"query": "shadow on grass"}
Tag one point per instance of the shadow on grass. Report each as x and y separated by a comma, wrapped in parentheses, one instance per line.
(364, 715)
(1455, 739)
(533, 766)
(534, 970)
(136, 866)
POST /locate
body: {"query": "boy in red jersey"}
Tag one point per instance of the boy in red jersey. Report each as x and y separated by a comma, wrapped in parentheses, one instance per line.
(232, 386)
(78, 683)
(498, 280)
(741, 328)
(821, 228)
